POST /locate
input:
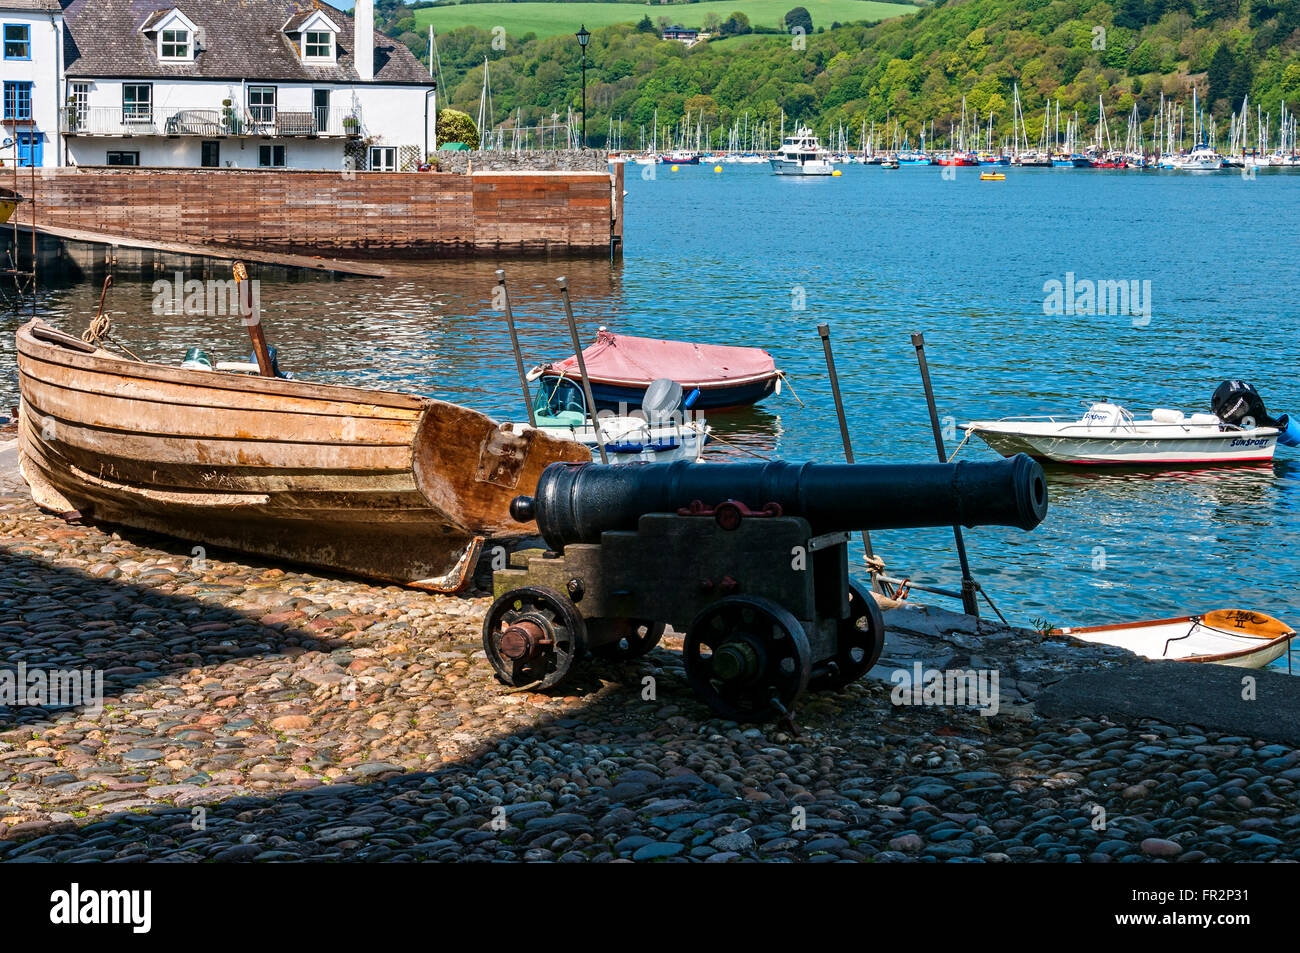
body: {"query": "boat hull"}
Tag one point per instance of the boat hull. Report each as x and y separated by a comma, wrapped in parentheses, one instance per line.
(618, 397)
(1192, 639)
(789, 167)
(389, 486)
(1223, 449)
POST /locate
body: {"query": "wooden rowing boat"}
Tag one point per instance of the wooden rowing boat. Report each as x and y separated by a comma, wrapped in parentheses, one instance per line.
(1237, 637)
(389, 486)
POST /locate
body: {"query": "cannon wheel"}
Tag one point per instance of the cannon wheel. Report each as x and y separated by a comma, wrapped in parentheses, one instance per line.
(859, 641)
(531, 636)
(636, 637)
(747, 658)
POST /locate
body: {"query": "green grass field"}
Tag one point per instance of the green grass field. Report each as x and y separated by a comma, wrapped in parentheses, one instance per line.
(548, 19)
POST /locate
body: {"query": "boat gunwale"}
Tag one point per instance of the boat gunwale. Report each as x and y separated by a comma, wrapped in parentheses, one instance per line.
(101, 361)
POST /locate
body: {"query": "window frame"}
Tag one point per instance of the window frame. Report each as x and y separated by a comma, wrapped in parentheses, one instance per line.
(370, 159)
(135, 153)
(257, 110)
(307, 44)
(4, 39)
(131, 111)
(269, 150)
(187, 44)
(11, 90)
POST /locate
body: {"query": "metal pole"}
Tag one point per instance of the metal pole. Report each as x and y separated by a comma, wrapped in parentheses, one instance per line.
(514, 343)
(968, 602)
(582, 368)
(824, 330)
(584, 97)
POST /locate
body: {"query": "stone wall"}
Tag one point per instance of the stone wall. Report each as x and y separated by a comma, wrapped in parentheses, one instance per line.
(531, 160)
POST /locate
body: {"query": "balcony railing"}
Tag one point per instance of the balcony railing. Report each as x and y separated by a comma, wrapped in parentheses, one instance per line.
(206, 122)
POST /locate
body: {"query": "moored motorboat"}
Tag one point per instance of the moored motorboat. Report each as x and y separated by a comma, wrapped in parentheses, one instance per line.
(1239, 431)
(621, 367)
(390, 486)
(663, 430)
(802, 154)
(1236, 637)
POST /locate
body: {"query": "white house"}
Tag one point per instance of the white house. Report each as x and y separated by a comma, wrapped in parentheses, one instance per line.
(31, 71)
(248, 84)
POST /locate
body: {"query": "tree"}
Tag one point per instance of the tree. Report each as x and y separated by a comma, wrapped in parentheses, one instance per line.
(711, 22)
(645, 25)
(735, 25)
(799, 18)
(456, 126)
(1219, 75)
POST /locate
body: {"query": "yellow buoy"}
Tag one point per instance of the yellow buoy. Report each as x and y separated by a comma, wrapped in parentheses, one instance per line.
(717, 168)
(674, 168)
(837, 172)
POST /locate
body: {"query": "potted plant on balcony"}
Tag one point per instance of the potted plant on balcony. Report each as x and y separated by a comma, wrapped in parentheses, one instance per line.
(352, 125)
(229, 121)
(72, 123)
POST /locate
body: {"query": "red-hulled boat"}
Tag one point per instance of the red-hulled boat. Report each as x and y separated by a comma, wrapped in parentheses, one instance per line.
(621, 367)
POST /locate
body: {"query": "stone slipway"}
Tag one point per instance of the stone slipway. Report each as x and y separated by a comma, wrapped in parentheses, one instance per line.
(1209, 696)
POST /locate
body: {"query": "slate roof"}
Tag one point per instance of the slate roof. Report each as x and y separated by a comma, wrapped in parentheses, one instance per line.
(39, 6)
(239, 40)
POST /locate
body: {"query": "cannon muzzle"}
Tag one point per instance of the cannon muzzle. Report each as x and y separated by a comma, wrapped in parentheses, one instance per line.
(576, 502)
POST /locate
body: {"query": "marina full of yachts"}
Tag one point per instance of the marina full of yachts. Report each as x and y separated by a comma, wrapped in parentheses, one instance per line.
(1170, 141)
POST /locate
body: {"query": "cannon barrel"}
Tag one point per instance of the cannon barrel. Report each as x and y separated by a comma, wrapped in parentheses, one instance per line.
(576, 502)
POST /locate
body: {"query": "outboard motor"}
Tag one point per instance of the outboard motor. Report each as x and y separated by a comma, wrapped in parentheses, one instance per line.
(662, 402)
(1239, 403)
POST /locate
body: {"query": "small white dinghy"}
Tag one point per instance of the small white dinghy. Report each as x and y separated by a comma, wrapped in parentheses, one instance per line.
(1237, 637)
(662, 431)
(1239, 431)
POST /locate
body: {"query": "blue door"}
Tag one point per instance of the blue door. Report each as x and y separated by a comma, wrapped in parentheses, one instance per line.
(31, 148)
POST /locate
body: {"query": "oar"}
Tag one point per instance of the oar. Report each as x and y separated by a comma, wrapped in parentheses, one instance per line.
(253, 322)
(514, 343)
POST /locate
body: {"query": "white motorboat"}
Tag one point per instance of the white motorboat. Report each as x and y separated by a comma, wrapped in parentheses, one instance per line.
(802, 154)
(663, 430)
(1236, 637)
(1239, 431)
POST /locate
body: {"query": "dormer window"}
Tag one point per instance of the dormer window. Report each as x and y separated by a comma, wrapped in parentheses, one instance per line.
(174, 45)
(174, 35)
(318, 45)
(314, 35)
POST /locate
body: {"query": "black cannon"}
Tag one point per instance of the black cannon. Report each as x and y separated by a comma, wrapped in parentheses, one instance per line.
(749, 560)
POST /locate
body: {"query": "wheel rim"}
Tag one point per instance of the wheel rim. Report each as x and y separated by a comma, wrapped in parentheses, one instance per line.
(531, 637)
(747, 658)
(859, 641)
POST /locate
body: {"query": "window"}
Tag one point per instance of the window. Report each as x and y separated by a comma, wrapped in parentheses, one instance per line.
(270, 157)
(18, 41)
(79, 107)
(318, 46)
(137, 102)
(18, 100)
(123, 158)
(261, 103)
(383, 158)
(174, 45)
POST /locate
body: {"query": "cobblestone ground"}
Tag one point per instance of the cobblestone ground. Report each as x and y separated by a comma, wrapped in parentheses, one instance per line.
(308, 717)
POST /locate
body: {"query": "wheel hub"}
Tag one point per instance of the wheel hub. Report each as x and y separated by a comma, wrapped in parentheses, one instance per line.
(522, 640)
(736, 661)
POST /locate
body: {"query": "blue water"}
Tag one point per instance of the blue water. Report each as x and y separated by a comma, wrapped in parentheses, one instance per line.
(729, 257)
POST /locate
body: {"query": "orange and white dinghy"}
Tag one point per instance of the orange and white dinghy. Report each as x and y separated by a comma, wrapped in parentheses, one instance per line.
(1238, 637)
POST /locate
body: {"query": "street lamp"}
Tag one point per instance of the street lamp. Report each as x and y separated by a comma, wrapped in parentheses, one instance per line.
(584, 36)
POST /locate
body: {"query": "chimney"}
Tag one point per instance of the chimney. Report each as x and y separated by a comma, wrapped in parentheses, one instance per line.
(363, 16)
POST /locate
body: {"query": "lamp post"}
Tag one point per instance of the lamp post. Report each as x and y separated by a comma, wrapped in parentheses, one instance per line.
(584, 35)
